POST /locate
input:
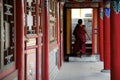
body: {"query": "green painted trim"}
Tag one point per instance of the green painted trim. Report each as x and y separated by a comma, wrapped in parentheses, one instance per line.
(115, 6)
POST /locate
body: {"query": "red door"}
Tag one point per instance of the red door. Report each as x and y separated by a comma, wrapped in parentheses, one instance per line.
(33, 38)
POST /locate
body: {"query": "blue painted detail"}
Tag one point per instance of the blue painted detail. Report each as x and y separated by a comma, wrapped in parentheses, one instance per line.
(107, 12)
(116, 6)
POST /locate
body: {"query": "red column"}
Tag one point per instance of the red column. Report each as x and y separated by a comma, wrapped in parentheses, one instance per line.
(20, 38)
(46, 42)
(61, 31)
(38, 55)
(115, 41)
(106, 40)
(101, 46)
(95, 32)
(58, 35)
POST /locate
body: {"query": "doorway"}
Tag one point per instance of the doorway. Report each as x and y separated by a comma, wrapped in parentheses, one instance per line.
(86, 15)
(90, 18)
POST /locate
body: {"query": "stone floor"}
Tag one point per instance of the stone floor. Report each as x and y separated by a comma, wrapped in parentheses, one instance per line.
(85, 68)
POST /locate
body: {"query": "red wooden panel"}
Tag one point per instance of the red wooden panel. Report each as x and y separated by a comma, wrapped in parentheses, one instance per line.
(31, 64)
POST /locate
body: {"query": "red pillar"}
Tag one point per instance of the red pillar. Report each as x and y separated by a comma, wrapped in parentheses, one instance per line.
(20, 38)
(58, 35)
(106, 38)
(46, 42)
(95, 32)
(38, 55)
(101, 46)
(61, 33)
(115, 41)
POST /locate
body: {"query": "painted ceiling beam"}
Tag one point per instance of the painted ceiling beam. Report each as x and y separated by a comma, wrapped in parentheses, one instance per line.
(81, 0)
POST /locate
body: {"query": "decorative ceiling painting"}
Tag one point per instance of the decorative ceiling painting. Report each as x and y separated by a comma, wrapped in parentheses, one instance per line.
(82, 0)
(83, 5)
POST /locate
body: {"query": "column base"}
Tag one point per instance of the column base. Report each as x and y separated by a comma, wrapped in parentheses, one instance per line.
(96, 57)
(105, 71)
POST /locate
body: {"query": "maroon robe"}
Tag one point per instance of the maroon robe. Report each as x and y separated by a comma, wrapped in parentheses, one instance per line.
(80, 39)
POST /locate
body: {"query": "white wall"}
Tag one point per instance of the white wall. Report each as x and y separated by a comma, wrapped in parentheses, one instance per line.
(77, 13)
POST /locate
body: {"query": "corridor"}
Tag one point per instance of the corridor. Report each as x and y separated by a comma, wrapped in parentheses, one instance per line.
(37, 40)
(83, 68)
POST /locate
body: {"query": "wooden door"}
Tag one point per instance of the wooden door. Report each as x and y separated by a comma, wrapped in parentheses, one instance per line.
(33, 36)
(68, 31)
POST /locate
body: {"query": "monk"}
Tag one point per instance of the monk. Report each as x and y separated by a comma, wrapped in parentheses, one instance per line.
(80, 38)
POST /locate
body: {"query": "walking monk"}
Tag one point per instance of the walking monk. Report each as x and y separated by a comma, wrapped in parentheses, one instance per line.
(80, 38)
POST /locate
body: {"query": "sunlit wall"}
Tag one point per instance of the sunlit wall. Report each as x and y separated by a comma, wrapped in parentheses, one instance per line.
(77, 13)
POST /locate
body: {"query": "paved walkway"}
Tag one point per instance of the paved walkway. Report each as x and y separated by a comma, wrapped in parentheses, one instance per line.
(82, 69)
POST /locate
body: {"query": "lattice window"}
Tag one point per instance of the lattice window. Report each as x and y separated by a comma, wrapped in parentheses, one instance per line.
(8, 34)
(52, 7)
(30, 17)
(52, 12)
(40, 14)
